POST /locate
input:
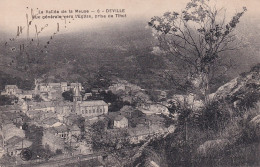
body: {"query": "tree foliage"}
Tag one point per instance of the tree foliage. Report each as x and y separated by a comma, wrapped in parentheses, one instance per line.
(195, 38)
(38, 98)
(68, 95)
(7, 100)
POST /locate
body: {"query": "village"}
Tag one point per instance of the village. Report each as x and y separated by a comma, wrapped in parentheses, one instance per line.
(62, 119)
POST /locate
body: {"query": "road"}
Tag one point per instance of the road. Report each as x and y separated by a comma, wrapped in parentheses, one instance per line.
(63, 161)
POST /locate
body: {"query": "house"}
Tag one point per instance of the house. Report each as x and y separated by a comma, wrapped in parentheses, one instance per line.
(150, 109)
(15, 144)
(51, 122)
(74, 130)
(61, 131)
(10, 130)
(64, 86)
(25, 94)
(47, 87)
(10, 90)
(95, 90)
(84, 108)
(56, 137)
(120, 122)
(87, 95)
(55, 86)
(41, 87)
(11, 108)
(124, 86)
(127, 111)
(46, 106)
(52, 141)
(85, 148)
(13, 90)
(109, 119)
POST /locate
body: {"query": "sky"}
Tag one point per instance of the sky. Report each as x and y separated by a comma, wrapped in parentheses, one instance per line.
(13, 12)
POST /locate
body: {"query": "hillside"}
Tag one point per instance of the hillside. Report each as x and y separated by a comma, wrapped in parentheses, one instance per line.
(122, 51)
(225, 133)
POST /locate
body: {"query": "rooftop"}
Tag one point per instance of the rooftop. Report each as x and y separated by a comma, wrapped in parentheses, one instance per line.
(74, 128)
(72, 117)
(93, 103)
(50, 121)
(61, 128)
(42, 104)
(119, 118)
(11, 87)
(13, 140)
(18, 143)
(27, 92)
(54, 84)
(10, 107)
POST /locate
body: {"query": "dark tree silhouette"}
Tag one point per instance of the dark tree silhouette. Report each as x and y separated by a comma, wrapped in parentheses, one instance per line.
(68, 95)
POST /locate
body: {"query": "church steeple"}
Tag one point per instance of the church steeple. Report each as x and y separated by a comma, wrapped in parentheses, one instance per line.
(77, 96)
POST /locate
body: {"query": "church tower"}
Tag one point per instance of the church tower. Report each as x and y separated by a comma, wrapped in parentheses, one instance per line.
(77, 96)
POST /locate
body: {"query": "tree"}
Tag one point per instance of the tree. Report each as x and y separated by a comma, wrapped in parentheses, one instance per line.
(195, 39)
(98, 127)
(7, 100)
(38, 98)
(68, 95)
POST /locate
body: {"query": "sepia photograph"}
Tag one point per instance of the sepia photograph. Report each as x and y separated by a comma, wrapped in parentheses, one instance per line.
(129, 83)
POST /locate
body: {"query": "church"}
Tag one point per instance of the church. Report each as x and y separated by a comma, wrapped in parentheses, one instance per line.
(88, 108)
(91, 108)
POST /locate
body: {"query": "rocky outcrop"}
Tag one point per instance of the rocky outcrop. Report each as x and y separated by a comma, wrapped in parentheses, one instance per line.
(255, 125)
(212, 147)
(240, 89)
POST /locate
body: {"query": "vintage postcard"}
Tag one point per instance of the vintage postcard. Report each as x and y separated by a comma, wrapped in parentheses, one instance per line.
(129, 83)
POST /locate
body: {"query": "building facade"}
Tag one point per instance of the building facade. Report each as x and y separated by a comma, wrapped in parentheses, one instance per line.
(10, 90)
(91, 108)
(120, 122)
